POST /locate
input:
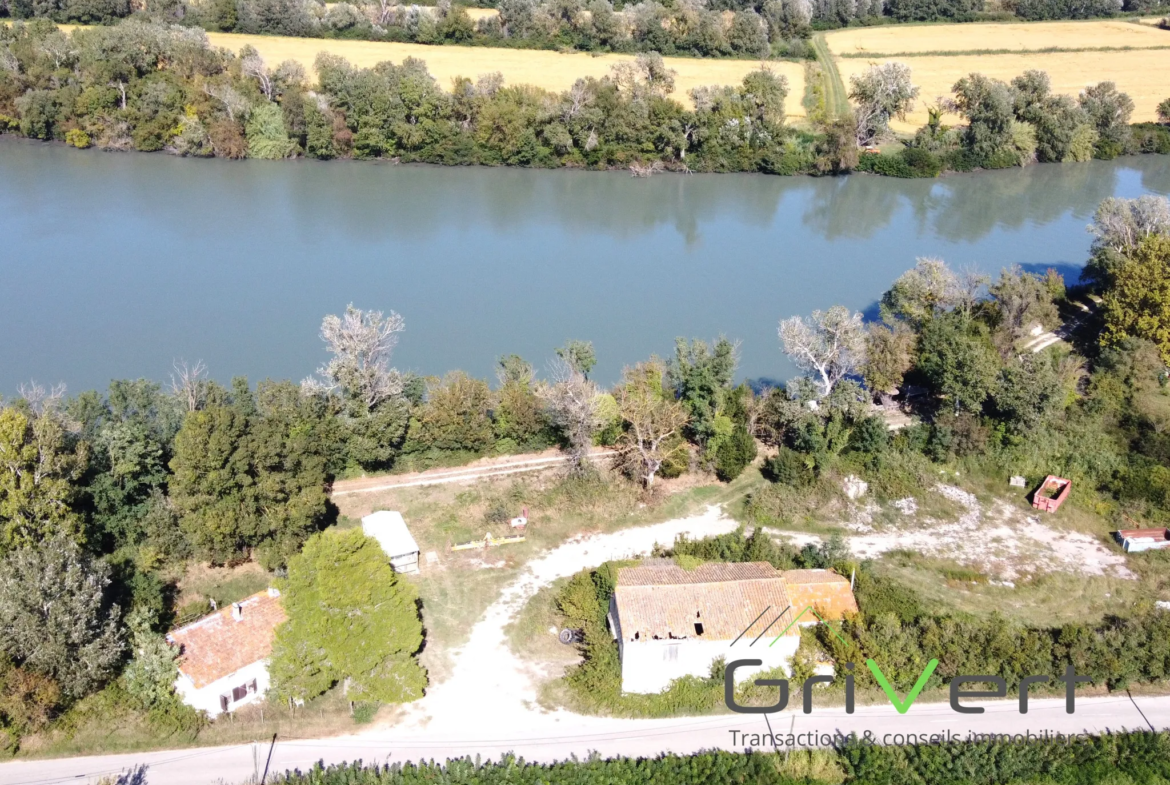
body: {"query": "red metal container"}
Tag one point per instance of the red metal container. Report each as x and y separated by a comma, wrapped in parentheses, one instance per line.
(1051, 493)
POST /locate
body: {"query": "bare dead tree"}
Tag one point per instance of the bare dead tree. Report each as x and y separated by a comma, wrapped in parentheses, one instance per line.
(572, 403)
(1122, 224)
(385, 11)
(41, 399)
(361, 343)
(829, 344)
(654, 416)
(252, 64)
(122, 89)
(189, 384)
(233, 101)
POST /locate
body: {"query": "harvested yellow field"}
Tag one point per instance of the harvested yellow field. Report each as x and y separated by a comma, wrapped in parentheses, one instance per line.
(1019, 37)
(550, 70)
(1141, 74)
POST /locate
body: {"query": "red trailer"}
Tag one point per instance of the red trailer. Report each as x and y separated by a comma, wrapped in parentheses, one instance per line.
(1051, 493)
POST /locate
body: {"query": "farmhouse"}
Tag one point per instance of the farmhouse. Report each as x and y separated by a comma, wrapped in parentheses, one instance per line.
(1135, 540)
(389, 529)
(223, 658)
(671, 622)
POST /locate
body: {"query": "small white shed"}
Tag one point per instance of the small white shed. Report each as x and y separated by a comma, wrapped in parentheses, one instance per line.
(389, 529)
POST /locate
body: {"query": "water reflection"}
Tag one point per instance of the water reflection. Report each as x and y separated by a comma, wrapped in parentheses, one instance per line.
(128, 261)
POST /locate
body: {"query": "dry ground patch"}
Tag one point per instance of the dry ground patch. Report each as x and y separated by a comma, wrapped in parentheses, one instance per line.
(1139, 71)
(551, 70)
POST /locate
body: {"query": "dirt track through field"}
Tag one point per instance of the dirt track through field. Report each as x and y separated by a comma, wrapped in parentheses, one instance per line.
(483, 469)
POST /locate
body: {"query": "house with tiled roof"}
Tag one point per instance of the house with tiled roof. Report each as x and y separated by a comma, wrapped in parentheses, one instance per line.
(223, 658)
(671, 622)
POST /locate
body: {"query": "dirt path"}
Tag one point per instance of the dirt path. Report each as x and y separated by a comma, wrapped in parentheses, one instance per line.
(477, 470)
(1001, 541)
(489, 684)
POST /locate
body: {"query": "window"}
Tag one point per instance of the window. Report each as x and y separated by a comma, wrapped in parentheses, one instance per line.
(670, 652)
(698, 628)
(239, 693)
(252, 687)
(224, 702)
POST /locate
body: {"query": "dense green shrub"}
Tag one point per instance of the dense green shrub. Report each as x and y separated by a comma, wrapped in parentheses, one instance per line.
(788, 467)
(735, 454)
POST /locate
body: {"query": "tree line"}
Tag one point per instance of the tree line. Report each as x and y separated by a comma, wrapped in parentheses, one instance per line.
(153, 87)
(701, 28)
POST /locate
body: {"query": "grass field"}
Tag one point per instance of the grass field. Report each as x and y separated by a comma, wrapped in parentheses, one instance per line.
(1074, 54)
(550, 70)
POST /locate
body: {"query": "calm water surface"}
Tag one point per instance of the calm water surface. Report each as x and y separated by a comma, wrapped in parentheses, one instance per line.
(114, 265)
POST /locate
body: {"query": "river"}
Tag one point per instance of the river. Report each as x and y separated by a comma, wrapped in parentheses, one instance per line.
(114, 265)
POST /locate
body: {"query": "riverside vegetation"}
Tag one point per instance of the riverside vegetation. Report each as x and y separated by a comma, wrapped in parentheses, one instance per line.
(153, 87)
(108, 498)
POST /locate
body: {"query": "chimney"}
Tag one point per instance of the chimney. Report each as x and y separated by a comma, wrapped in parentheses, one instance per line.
(237, 611)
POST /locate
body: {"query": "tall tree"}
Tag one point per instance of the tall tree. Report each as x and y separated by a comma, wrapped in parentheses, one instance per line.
(1138, 302)
(361, 343)
(255, 484)
(889, 353)
(878, 94)
(56, 615)
(350, 618)
(40, 462)
(455, 416)
(829, 345)
(652, 417)
(579, 355)
(701, 375)
(573, 405)
(988, 104)
(518, 414)
(957, 358)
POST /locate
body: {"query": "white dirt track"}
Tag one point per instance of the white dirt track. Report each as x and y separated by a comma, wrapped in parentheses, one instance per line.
(488, 708)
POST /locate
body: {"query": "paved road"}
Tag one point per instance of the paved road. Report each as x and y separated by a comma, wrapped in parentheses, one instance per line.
(559, 735)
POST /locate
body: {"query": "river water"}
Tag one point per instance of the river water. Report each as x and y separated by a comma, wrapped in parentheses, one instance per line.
(114, 265)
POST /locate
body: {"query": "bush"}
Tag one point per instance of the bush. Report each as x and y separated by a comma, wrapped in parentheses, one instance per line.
(734, 454)
(1151, 138)
(870, 436)
(787, 467)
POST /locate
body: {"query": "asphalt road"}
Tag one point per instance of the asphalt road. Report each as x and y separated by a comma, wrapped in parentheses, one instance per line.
(559, 735)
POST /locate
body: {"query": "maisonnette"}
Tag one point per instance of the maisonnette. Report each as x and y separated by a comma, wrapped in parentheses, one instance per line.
(671, 622)
(223, 658)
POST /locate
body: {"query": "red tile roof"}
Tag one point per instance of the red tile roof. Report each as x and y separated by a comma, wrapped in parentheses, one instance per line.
(827, 592)
(660, 600)
(218, 645)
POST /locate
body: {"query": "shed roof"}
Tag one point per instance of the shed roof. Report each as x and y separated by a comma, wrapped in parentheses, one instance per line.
(1145, 534)
(389, 529)
(828, 593)
(660, 600)
(219, 645)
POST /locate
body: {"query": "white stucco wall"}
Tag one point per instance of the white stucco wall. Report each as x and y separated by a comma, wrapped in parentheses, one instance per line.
(650, 666)
(1138, 544)
(207, 698)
